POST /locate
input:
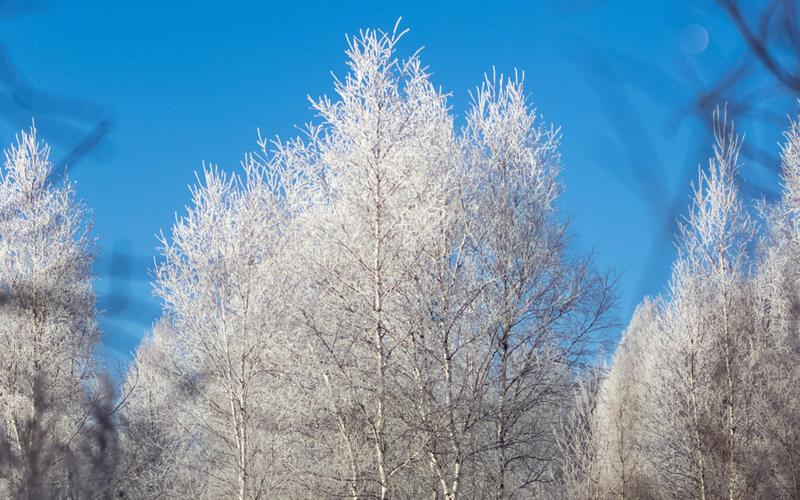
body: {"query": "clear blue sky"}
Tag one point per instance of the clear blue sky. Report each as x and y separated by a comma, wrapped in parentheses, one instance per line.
(186, 82)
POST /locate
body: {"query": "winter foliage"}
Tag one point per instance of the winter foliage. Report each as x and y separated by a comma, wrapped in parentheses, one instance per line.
(389, 306)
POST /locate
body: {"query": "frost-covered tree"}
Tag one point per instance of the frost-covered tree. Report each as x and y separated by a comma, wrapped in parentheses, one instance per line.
(605, 439)
(621, 435)
(579, 457)
(47, 325)
(222, 345)
(710, 327)
(697, 369)
(159, 433)
(439, 282)
(690, 402)
(539, 308)
(381, 156)
(777, 343)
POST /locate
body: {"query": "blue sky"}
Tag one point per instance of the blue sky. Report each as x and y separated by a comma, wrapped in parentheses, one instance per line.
(186, 82)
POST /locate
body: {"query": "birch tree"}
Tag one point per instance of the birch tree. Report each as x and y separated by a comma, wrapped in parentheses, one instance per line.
(47, 324)
(578, 472)
(223, 288)
(777, 293)
(540, 307)
(160, 433)
(379, 154)
(622, 417)
(702, 379)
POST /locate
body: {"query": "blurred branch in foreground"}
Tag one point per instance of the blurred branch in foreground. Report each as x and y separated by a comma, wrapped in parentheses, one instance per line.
(756, 86)
(77, 125)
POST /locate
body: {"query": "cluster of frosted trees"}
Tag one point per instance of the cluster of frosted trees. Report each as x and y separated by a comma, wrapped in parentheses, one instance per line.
(384, 308)
(388, 307)
(701, 398)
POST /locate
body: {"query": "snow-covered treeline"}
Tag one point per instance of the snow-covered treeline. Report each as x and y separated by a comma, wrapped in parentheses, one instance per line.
(389, 307)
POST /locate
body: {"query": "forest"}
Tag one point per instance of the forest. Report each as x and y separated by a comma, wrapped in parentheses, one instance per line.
(392, 306)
